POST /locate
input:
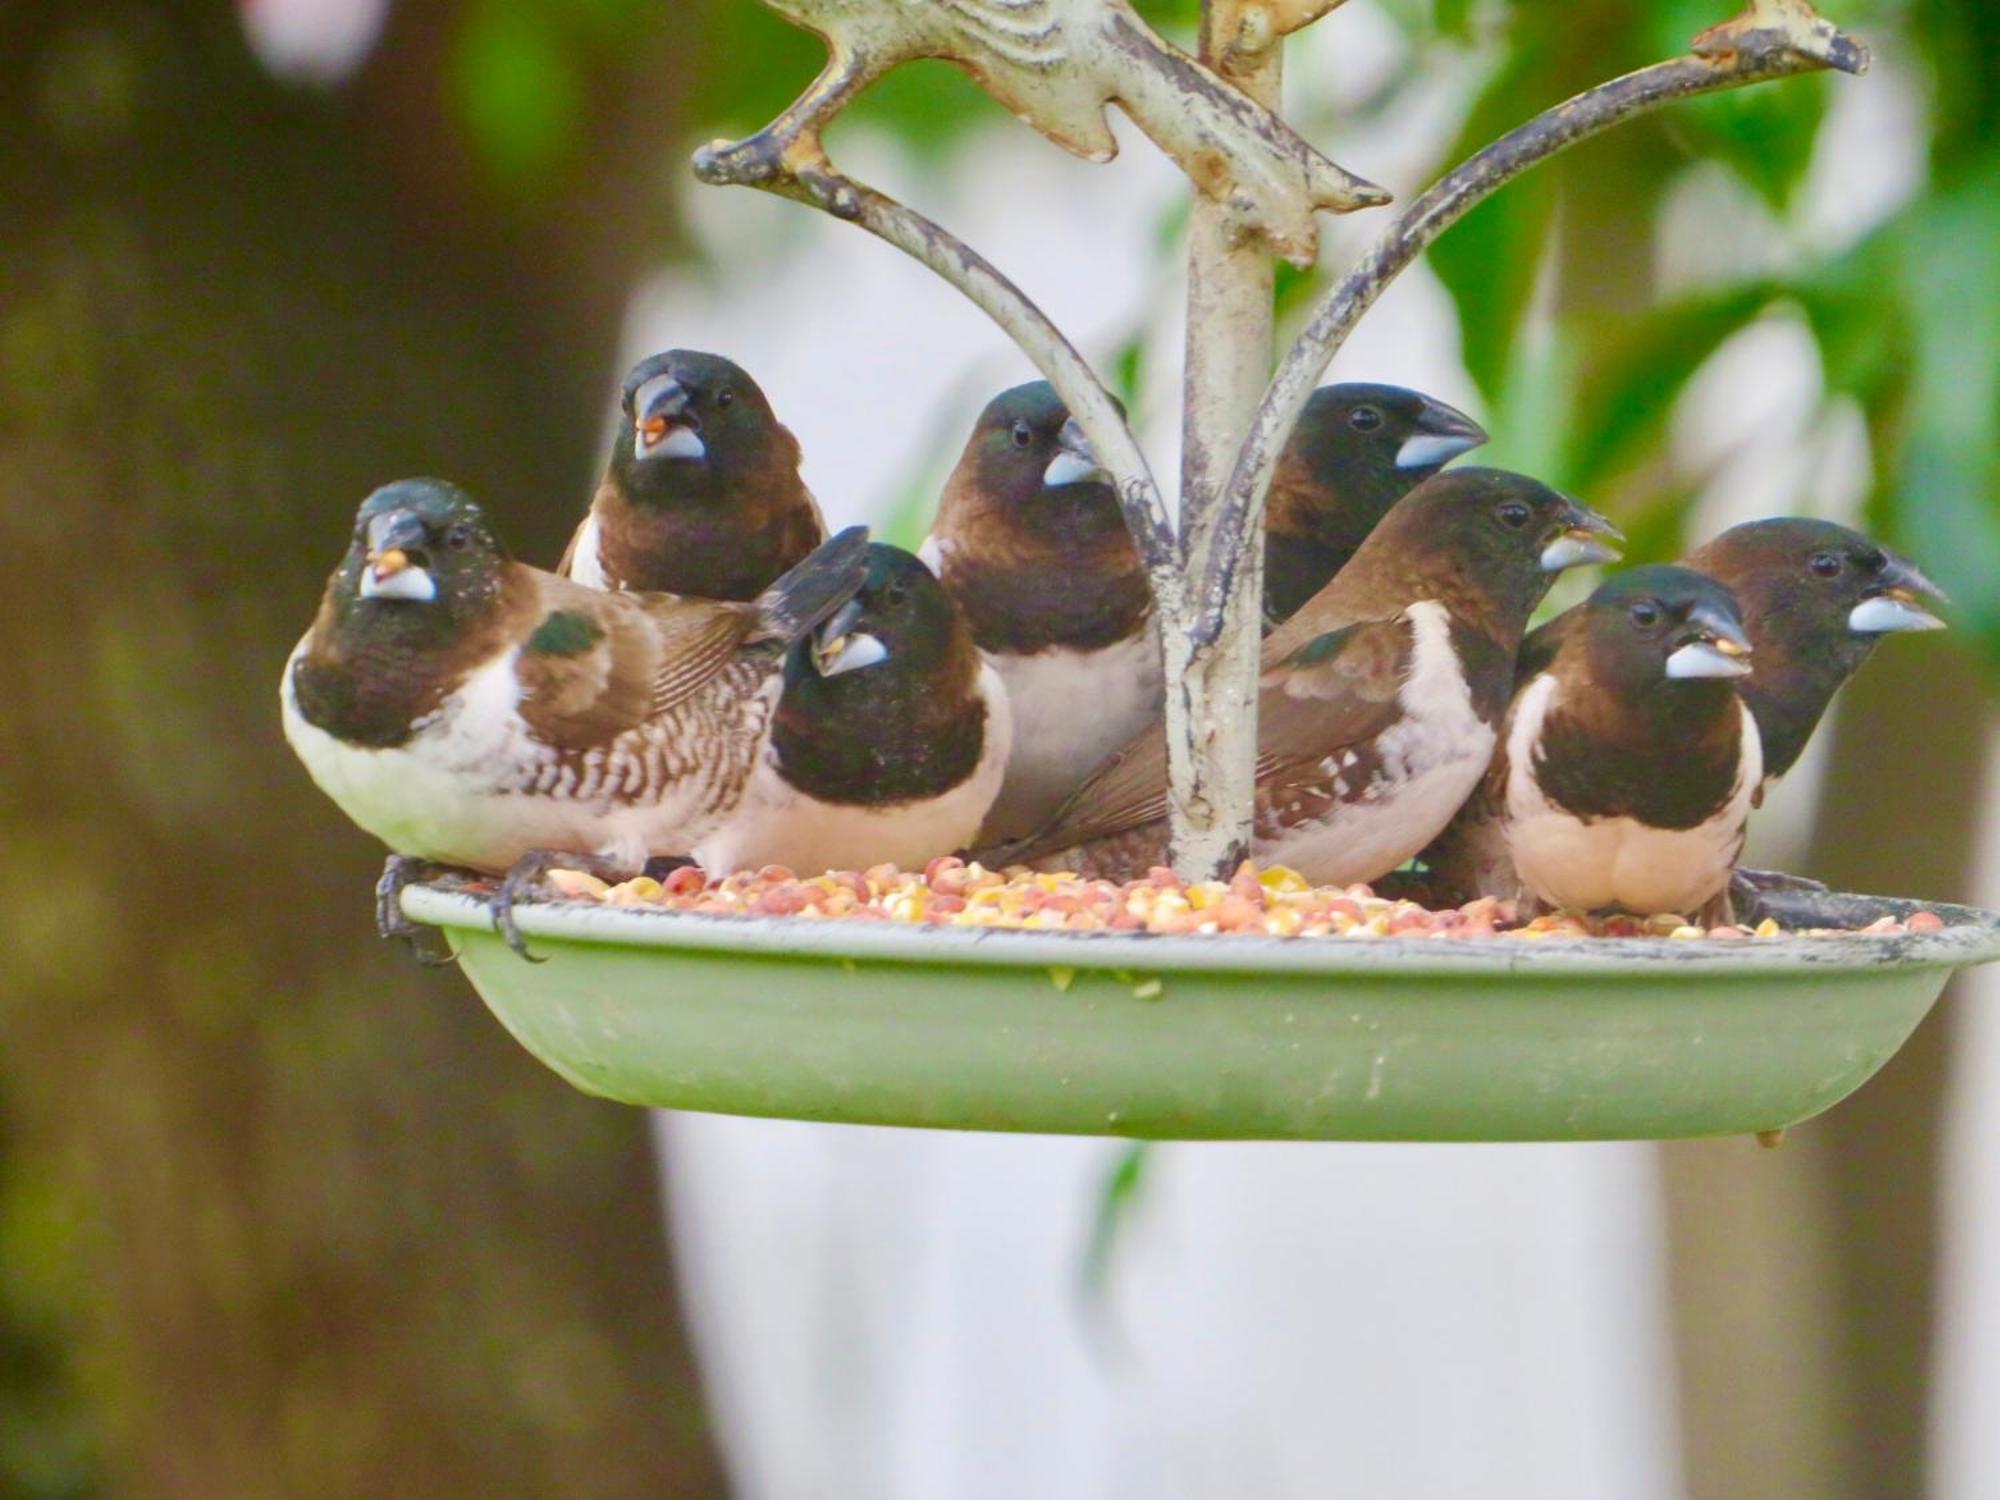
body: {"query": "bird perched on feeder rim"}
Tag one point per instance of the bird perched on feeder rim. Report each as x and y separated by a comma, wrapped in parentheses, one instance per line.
(470, 710)
(1056, 64)
(1032, 547)
(1378, 701)
(1627, 765)
(889, 739)
(702, 494)
(1814, 598)
(1358, 448)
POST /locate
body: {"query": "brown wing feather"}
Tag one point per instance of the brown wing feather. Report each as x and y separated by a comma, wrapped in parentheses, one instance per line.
(597, 665)
(1336, 690)
(1128, 790)
(693, 640)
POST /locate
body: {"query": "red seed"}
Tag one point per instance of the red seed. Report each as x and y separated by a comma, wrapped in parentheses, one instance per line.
(685, 881)
(1924, 921)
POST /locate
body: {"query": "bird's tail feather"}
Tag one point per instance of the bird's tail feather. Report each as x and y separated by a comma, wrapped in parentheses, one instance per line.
(817, 586)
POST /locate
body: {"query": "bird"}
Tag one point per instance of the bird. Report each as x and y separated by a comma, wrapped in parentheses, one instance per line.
(1031, 545)
(1816, 599)
(1628, 762)
(1357, 449)
(702, 495)
(1377, 701)
(1056, 64)
(889, 739)
(469, 710)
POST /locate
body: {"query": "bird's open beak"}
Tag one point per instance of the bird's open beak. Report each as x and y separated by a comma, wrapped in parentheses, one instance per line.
(1901, 605)
(663, 427)
(1442, 433)
(838, 647)
(1076, 461)
(397, 562)
(1716, 647)
(1587, 538)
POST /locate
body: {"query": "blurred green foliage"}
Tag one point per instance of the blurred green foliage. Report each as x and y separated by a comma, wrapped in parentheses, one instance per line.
(1907, 321)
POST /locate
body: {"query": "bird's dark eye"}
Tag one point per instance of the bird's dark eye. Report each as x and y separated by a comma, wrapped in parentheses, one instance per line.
(1364, 419)
(1514, 515)
(458, 536)
(1645, 614)
(895, 593)
(724, 398)
(1825, 565)
(1023, 434)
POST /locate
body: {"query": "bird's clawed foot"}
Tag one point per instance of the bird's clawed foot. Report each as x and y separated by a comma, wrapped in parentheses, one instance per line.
(528, 872)
(1749, 888)
(400, 870)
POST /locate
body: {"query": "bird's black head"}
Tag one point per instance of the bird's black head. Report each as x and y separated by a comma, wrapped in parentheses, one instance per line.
(1488, 543)
(423, 561)
(1366, 445)
(1816, 599)
(880, 702)
(1028, 458)
(1356, 451)
(900, 625)
(1813, 586)
(697, 428)
(1664, 625)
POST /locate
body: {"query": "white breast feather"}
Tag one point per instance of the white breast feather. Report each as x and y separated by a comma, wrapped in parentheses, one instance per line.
(1432, 758)
(779, 825)
(1570, 862)
(454, 791)
(586, 565)
(1071, 710)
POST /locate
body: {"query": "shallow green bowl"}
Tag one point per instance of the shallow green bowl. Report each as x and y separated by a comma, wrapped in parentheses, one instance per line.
(1212, 1038)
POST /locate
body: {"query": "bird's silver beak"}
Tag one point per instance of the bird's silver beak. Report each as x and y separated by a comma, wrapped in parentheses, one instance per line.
(1719, 647)
(838, 647)
(395, 566)
(1442, 433)
(662, 425)
(1588, 538)
(1076, 462)
(1901, 604)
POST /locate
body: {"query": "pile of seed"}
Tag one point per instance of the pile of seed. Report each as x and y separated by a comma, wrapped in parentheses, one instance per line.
(1274, 902)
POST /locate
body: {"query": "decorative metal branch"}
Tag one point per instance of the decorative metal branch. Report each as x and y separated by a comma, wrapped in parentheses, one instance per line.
(806, 176)
(1056, 64)
(1774, 39)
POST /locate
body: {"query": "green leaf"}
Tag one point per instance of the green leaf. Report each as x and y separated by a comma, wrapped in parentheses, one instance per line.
(1490, 260)
(1945, 503)
(1115, 1203)
(1765, 134)
(1635, 371)
(516, 88)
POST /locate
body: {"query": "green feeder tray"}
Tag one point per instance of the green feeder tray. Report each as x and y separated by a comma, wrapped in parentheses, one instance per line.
(1213, 1038)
